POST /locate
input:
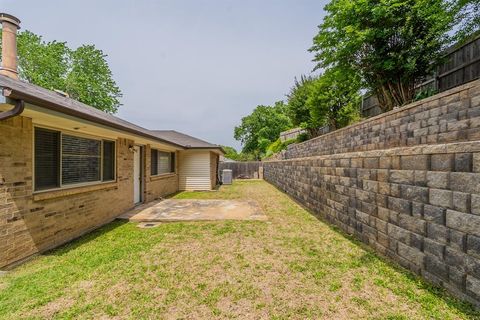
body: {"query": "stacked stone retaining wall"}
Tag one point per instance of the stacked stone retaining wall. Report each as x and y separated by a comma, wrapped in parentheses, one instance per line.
(407, 183)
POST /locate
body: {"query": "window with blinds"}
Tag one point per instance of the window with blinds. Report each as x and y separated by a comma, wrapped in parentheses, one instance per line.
(64, 159)
(162, 162)
(108, 160)
(80, 160)
(47, 159)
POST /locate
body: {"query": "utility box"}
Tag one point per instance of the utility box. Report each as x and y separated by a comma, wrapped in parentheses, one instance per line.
(226, 176)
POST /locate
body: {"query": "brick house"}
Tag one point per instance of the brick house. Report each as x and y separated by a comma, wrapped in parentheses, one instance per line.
(67, 168)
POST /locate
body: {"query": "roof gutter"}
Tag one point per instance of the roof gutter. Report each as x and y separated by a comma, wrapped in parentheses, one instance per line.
(17, 110)
(20, 96)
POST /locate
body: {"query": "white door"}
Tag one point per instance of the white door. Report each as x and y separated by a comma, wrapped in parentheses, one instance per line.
(137, 175)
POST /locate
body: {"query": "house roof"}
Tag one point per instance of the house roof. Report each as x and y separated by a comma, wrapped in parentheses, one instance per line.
(184, 140)
(54, 101)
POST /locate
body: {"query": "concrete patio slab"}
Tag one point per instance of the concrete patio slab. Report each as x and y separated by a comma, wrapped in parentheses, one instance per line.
(192, 210)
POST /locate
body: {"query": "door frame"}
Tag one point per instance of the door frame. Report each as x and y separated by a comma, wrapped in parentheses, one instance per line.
(140, 149)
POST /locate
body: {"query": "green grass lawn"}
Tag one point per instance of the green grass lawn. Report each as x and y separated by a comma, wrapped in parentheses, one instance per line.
(290, 267)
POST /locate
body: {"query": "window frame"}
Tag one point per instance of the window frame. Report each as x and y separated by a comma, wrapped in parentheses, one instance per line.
(174, 162)
(80, 135)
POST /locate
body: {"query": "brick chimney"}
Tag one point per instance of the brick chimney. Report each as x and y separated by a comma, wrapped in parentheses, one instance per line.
(10, 25)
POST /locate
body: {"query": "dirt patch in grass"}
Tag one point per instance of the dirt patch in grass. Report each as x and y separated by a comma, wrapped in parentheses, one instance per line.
(292, 266)
(49, 310)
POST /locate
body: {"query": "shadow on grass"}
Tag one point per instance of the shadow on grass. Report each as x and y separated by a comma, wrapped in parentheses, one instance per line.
(84, 239)
(372, 257)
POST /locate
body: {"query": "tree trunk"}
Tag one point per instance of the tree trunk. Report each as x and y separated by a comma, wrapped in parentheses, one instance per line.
(395, 94)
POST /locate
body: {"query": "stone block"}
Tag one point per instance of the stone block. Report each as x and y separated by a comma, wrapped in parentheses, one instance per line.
(415, 162)
(457, 240)
(381, 200)
(472, 266)
(357, 162)
(398, 233)
(455, 258)
(381, 225)
(385, 163)
(417, 209)
(411, 254)
(473, 245)
(371, 186)
(457, 277)
(476, 162)
(414, 193)
(441, 198)
(416, 241)
(384, 188)
(430, 277)
(399, 205)
(465, 182)
(461, 201)
(383, 214)
(473, 286)
(463, 162)
(434, 248)
(465, 222)
(437, 232)
(420, 178)
(434, 214)
(475, 204)
(395, 163)
(395, 190)
(402, 176)
(382, 175)
(370, 163)
(412, 224)
(436, 267)
(438, 180)
(442, 162)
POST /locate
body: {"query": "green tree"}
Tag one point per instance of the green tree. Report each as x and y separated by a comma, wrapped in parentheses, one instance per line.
(232, 154)
(334, 99)
(297, 109)
(390, 43)
(90, 79)
(262, 127)
(42, 63)
(82, 73)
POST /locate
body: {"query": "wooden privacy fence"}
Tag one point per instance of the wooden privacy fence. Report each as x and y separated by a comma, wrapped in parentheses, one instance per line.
(243, 169)
(461, 64)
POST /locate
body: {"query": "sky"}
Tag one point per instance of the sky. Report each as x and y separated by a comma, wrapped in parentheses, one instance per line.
(193, 66)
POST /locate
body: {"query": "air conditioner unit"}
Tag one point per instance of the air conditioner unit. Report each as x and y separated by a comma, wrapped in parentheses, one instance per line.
(226, 176)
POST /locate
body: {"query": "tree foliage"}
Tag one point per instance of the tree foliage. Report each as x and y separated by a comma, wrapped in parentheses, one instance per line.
(262, 127)
(277, 146)
(297, 109)
(83, 73)
(232, 154)
(334, 99)
(90, 79)
(390, 43)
